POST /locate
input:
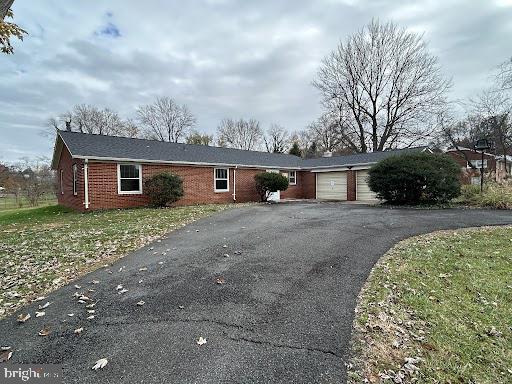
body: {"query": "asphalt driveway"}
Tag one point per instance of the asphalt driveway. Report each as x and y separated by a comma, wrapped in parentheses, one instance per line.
(283, 314)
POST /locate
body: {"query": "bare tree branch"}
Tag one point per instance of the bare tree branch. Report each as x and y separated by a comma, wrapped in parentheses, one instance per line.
(241, 134)
(165, 120)
(383, 85)
(276, 139)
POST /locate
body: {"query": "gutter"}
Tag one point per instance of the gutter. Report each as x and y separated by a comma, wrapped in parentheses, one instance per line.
(234, 183)
(86, 183)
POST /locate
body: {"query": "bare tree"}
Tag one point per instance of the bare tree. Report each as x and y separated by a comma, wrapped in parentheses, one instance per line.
(505, 75)
(276, 139)
(90, 119)
(165, 120)
(241, 134)
(492, 113)
(326, 132)
(382, 85)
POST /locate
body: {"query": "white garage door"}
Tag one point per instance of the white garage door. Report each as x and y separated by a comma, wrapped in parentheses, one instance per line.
(331, 185)
(363, 192)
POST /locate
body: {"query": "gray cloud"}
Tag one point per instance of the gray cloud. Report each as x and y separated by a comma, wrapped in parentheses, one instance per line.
(223, 58)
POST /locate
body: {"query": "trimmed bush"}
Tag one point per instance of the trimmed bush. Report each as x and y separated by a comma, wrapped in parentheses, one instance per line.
(268, 182)
(415, 178)
(163, 189)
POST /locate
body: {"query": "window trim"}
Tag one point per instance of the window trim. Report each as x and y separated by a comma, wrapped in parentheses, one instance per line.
(215, 180)
(61, 181)
(476, 161)
(294, 177)
(75, 179)
(139, 191)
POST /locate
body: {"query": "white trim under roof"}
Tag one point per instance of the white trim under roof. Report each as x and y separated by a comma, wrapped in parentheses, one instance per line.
(219, 165)
(337, 168)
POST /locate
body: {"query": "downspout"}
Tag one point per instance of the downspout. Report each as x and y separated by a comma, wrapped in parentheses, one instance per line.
(86, 183)
(234, 183)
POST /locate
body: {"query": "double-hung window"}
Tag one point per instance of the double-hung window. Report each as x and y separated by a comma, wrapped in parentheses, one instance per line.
(292, 178)
(129, 179)
(221, 179)
(75, 169)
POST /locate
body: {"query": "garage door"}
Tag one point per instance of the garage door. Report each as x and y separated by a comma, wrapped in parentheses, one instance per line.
(363, 192)
(331, 185)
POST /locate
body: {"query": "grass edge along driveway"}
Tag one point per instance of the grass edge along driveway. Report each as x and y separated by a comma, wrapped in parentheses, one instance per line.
(43, 249)
(438, 308)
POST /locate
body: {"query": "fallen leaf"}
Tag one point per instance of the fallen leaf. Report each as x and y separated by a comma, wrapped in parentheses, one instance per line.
(40, 314)
(5, 354)
(122, 291)
(78, 286)
(22, 318)
(71, 314)
(45, 305)
(143, 269)
(44, 332)
(90, 317)
(90, 311)
(90, 305)
(119, 287)
(141, 303)
(181, 306)
(40, 298)
(220, 281)
(201, 341)
(78, 330)
(226, 255)
(100, 364)
(95, 282)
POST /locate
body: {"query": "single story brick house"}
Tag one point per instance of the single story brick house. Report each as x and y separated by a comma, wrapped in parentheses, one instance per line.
(104, 172)
(494, 166)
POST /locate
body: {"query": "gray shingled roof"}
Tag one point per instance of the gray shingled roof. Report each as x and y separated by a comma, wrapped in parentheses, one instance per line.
(356, 159)
(100, 146)
(91, 146)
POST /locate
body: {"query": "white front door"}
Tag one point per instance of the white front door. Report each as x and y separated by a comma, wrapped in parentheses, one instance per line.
(274, 196)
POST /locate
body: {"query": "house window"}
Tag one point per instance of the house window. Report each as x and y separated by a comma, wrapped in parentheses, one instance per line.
(61, 181)
(221, 182)
(292, 178)
(74, 179)
(129, 179)
(477, 164)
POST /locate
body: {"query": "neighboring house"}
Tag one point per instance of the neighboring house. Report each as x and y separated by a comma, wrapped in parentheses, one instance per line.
(494, 166)
(102, 172)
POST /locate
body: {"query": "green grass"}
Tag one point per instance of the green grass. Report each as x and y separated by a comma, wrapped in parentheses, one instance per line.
(43, 248)
(8, 202)
(443, 299)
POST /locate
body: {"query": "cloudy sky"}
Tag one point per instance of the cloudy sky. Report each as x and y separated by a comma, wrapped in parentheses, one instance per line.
(223, 58)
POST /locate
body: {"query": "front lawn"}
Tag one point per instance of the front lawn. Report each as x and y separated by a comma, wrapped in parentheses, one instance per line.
(438, 309)
(42, 249)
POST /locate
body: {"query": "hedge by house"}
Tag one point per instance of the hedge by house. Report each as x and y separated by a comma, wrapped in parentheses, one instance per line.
(163, 189)
(268, 182)
(415, 178)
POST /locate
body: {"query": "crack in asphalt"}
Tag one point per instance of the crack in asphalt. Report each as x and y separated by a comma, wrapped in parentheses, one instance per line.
(297, 347)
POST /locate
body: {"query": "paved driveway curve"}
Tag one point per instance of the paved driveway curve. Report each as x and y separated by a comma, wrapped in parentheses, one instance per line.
(284, 313)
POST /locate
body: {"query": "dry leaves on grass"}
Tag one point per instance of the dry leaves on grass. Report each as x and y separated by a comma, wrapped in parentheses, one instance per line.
(39, 256)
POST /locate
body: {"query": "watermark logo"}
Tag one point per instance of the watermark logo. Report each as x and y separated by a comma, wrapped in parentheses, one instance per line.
(31, 373)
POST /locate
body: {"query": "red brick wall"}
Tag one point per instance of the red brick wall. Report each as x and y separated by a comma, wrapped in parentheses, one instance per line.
(308, 184)
(467, 173)
(351, 185)
(198, 185)
(67, 198)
